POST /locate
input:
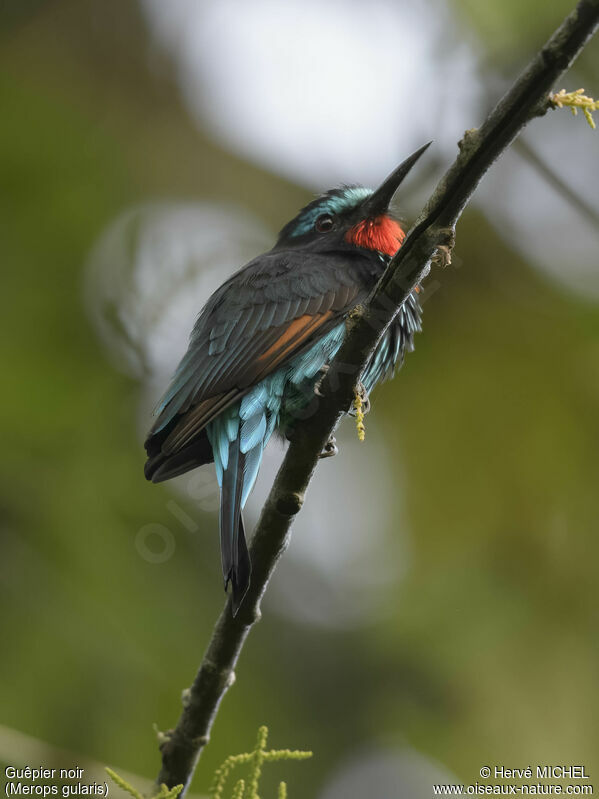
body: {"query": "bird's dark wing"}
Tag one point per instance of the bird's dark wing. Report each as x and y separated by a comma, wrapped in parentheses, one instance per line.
(259, 319)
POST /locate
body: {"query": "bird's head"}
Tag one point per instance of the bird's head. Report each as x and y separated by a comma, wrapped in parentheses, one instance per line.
(351, 216)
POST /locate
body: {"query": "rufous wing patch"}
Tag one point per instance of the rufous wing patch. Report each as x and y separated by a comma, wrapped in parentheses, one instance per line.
(294, 334)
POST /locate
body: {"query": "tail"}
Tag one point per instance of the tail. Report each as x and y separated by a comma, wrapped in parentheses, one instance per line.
(238, 438)
(233, 548)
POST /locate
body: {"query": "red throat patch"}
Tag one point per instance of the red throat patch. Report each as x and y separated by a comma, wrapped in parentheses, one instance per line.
(381, 233)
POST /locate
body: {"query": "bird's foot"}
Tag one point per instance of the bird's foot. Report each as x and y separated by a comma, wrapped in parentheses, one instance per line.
(356, 312)
(330, 448)
(323, 372)
(445, 243)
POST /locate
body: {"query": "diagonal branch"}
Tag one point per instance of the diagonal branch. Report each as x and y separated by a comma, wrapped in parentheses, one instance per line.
(526, 99)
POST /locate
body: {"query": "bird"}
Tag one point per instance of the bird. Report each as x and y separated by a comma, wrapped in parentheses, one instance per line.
(262, 343)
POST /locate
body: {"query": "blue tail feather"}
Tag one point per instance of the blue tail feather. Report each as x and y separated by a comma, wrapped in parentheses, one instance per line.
(252, 432)
(251, 465)
(238, 444)
(234, 553)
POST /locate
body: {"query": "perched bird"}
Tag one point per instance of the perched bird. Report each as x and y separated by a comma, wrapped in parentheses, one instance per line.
(263, 341)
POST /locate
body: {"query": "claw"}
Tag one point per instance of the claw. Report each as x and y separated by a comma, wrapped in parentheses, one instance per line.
(330, 448)
(323, 372)
(446, 242)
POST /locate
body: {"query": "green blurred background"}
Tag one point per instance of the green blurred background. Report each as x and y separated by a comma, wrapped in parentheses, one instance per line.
(482, 648)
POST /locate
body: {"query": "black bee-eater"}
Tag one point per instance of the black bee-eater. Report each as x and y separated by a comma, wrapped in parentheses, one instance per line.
(261, 344)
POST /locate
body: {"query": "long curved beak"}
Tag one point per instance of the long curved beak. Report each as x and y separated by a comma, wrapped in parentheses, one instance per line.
(378, 202)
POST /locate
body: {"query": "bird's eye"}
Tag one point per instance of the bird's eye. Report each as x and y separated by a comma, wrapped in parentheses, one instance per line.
(324, 223)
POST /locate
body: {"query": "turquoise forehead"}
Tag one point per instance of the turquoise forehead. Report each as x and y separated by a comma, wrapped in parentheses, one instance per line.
(339, 203)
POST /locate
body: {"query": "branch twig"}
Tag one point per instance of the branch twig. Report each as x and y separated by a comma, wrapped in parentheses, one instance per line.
(527, 99)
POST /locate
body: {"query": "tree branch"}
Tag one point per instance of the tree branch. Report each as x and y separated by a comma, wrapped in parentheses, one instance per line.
(527, 98)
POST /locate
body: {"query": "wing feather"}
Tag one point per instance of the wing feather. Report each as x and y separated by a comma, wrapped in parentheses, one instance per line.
(268, 312)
